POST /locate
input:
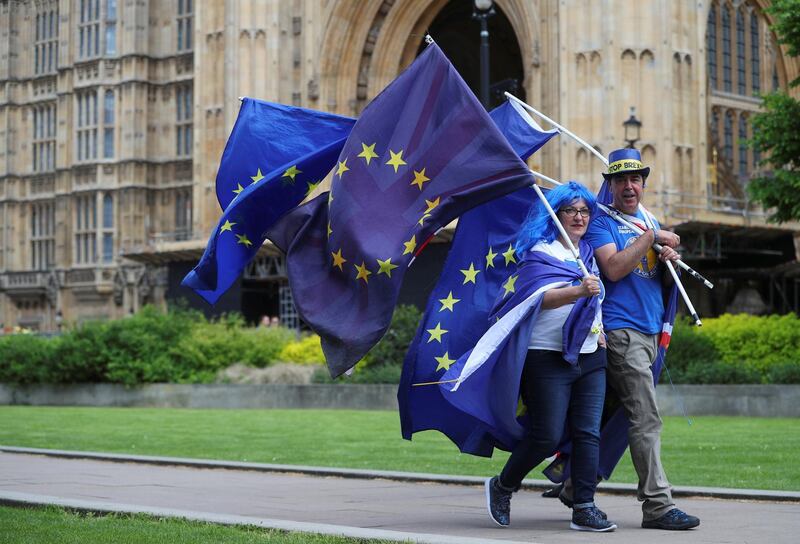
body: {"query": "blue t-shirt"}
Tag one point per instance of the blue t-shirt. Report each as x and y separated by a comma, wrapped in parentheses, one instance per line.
(635, 301)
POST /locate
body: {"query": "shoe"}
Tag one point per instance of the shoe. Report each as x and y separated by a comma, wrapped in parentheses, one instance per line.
(590, 519)
(498, 502)
(568, 503)
(674, 520)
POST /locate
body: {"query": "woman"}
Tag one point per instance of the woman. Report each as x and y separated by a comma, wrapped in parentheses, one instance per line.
(563, 378)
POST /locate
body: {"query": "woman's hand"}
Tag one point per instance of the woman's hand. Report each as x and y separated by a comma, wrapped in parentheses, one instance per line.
(590, 286)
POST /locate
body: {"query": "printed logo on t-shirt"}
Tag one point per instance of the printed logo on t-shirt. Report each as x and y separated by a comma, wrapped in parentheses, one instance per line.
(647, 266)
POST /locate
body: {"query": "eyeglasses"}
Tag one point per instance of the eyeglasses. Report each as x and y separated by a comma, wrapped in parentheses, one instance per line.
(572, 212)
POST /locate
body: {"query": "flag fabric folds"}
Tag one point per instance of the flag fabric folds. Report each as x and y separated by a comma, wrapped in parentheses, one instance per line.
(481, 263)
(269, 138)
(275, 156)
(422, 153)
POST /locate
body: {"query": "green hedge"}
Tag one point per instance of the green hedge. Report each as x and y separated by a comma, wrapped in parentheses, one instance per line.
(181, 346)
(736, 349)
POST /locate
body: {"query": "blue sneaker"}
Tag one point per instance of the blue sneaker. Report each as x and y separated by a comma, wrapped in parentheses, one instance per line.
(498, 502)
(674, 520)
(589, 519)
(566, 501)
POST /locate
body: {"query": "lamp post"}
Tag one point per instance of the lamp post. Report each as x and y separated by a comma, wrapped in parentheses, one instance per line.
(483, 9)
(633, 128)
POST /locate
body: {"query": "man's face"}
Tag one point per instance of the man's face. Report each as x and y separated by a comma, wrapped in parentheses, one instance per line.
(627, 190)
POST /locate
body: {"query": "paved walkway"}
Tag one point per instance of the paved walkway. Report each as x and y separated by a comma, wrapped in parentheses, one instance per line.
(358, 507)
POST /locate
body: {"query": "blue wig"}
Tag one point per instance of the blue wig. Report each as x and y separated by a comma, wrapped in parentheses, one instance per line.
(538, 226)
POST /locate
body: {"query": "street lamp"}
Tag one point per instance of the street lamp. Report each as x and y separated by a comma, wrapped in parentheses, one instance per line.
(632, 129)
(482, 11)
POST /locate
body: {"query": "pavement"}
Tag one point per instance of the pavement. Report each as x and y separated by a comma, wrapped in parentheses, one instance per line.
(367, 504)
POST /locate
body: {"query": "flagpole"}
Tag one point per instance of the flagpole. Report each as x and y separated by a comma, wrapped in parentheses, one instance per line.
(639, 231)
(531, 109)
(617, 215)
(563, 232)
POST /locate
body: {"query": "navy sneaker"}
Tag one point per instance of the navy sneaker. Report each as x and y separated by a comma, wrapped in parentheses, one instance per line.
(590, 519)
(568, 503)
(498, 502)
(674, 520)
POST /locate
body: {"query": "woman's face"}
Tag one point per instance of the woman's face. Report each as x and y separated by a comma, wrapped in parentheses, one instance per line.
(575, 218)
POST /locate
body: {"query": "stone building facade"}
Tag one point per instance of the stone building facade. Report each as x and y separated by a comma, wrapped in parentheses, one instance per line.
(114, 113)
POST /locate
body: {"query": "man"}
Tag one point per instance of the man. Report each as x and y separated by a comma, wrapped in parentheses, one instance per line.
(633, 276)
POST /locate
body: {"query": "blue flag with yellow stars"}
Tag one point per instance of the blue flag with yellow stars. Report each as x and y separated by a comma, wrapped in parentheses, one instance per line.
(423, 152)
(480, 265)
(275, 156)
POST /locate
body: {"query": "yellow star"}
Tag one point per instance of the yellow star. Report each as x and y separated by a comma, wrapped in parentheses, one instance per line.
(449, 302)
(258, 177)
(432, 204)
(444, 362)
(330, 231)
(411, 245)
(470, 274)
(342, 168)
(436, 333)
(423, 218)
(363, 272)
(508, 286)
(490, 258)
(238, 189)
(509, 255)
(396, 160)
(311, 187)
(420, 178)
(226, 226)
(242, 239)
(386, 267)
(367, 152)
(291, 172)
(338, 260)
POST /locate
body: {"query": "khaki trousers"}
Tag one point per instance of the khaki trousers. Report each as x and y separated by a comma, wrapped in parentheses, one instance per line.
(630, 358)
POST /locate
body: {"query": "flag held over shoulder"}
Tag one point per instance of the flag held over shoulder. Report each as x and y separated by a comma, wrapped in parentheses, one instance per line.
(423, 152)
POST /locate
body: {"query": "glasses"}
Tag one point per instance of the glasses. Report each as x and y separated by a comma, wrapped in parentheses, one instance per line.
(572, 212)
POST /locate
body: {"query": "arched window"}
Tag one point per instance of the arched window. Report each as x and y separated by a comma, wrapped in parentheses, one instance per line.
(711, 46)
(108, 124)
(726, 49)
(755, 55)
(742, 147)
(728, 137)
(740, 67)
(741, 78)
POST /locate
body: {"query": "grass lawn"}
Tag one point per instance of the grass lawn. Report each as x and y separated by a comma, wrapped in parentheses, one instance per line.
(56, 526)
(756, 453)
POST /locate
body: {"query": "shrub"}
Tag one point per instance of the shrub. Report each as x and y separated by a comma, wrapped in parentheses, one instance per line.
(26, 358)
(306, 351)
(392, 348)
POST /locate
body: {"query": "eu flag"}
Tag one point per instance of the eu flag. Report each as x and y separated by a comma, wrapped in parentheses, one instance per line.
(275, 156)
(423, 152)
(480, 264)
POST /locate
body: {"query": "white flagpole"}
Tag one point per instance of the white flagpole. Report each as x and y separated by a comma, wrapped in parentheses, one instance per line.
(639, 231)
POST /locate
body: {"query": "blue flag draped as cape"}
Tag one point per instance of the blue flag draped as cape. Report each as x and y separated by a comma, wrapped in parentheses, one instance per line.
(422, 153)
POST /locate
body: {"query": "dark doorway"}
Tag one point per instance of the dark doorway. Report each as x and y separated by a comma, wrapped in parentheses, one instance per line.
(458, 35)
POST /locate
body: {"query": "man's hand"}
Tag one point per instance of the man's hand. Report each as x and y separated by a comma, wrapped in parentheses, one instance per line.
(590, 286)
(667, 238)
(669, 254)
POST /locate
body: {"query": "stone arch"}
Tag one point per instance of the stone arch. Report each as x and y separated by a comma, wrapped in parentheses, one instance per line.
(370, 41)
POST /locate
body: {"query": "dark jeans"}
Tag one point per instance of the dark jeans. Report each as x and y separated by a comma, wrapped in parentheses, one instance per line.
(556, 393)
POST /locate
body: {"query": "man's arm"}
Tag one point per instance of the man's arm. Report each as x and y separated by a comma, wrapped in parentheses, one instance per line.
(615, 265)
